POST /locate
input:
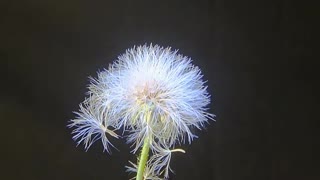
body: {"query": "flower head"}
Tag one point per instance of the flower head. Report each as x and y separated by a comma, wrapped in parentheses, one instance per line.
(150, 92)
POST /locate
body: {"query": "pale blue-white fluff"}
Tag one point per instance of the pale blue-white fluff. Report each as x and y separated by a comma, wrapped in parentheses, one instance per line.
(148, 92)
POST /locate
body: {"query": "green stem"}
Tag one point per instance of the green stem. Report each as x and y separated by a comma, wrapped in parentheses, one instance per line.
(143, 159)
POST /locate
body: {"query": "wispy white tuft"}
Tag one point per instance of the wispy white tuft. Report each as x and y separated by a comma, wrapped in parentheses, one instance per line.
(148, 174)
(90, 126)
(149, 92)
(159, 162)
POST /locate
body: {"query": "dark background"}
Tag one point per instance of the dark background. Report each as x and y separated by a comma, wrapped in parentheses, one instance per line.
(257, 56)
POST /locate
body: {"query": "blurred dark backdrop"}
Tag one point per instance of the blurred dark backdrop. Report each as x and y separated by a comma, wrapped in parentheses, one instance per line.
(256, 55)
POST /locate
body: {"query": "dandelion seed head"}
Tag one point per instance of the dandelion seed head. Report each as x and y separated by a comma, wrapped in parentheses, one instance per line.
(159, 83)
(150, 92)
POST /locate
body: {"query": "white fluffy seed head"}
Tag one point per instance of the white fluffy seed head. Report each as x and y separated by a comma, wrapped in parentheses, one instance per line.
(149, 91)
(154, 87)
